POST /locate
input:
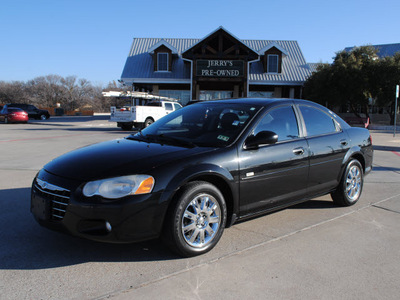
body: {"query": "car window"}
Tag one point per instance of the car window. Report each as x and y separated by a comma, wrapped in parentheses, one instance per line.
(168, 106)
(317, 122)
(177, 106)
(280, 120)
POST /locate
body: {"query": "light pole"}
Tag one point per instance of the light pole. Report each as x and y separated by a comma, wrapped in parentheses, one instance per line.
(395, 111)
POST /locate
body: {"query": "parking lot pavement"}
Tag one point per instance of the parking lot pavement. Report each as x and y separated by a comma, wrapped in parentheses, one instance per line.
(312, 250)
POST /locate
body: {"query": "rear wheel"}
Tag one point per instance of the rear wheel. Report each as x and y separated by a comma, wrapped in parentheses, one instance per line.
(349, 190)
(148, 122)
(197, 220)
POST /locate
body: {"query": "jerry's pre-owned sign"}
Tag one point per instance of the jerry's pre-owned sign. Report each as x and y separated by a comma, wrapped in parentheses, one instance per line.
(220, 68)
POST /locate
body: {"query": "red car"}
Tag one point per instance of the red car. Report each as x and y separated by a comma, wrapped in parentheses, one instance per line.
(13, 115)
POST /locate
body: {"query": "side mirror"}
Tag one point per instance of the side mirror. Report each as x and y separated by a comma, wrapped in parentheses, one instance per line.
(261, 138)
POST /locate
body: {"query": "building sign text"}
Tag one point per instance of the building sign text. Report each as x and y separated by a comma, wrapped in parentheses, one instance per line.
(219, 68)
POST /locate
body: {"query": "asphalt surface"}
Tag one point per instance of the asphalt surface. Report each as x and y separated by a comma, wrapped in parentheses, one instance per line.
(310, 251)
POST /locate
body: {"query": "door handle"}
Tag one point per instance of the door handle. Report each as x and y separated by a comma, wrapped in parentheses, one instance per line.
(298, 151)
(343, 142)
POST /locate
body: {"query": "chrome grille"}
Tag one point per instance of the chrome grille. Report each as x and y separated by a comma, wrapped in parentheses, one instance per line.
(58, 197)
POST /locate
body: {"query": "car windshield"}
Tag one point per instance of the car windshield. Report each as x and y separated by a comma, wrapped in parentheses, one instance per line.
(213, 124)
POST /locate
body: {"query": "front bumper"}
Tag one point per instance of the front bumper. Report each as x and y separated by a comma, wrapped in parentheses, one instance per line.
(58, 204)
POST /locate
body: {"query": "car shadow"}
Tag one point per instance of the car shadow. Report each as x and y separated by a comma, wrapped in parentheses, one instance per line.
(314, 204)
(386, 148)
(85, 129)
(26, 245)
(385, 169)
(70, 119)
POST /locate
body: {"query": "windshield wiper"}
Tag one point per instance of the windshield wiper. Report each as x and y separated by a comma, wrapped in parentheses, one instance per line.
(170, 140)
(137, 137)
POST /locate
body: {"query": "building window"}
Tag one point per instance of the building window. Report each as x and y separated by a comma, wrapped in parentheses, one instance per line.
(215, 95)
(272, 63)
(182, 96)
(256, 94)
(162, 61)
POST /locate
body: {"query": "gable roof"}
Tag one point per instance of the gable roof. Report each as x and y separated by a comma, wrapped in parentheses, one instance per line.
(383, 50)
(222, 29)
(272, 45)
(139, 64)
(163, 42)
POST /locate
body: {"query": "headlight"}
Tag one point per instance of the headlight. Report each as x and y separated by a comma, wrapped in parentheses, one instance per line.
(118, 187)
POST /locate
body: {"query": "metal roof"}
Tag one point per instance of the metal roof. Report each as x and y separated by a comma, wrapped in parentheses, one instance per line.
(139, 67)
(383, 50)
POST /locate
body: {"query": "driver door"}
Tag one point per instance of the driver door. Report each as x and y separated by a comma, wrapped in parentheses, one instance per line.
(274, 175)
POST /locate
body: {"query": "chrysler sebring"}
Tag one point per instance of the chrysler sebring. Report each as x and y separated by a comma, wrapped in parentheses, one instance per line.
(200, 169)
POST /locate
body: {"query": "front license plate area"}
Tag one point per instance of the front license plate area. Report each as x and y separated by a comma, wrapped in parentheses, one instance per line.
(40, 207)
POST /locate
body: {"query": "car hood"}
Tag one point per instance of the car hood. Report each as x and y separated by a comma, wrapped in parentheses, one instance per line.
(117, 158)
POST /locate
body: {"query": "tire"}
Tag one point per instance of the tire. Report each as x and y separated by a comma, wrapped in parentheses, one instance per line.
(197, 219)
(42, 117)
(6, 120)
(349, 190)
(148, 122)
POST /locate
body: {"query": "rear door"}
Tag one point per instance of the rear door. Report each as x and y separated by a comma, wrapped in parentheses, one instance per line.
(328, 147)
(274, 175)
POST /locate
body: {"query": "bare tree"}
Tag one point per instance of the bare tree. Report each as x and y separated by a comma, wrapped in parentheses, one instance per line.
(46, 91)
(13, 92)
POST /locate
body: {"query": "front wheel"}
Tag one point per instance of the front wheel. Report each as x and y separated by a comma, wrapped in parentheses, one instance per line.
(349, 190)
(197, 220)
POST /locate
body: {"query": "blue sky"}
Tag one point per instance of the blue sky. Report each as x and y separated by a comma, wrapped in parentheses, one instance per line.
(91, 38)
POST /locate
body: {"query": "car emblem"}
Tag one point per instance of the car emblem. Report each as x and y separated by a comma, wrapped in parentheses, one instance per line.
(48, 186)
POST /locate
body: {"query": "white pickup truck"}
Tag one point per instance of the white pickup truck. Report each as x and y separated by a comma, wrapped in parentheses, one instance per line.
(141, 116)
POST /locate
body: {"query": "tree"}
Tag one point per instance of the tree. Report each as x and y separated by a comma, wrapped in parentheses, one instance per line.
(384, 78)
(13, 92)
(47, 91)
(346, 82)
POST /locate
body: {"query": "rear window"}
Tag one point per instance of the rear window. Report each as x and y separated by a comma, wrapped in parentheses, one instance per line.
(14, 109)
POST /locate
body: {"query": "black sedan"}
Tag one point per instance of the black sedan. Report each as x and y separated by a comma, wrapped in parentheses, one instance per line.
(202, 168)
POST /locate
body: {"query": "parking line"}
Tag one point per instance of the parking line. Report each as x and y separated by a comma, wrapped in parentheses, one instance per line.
(397, 153)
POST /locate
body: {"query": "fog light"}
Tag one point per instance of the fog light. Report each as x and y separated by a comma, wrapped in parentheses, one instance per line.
(108, 226)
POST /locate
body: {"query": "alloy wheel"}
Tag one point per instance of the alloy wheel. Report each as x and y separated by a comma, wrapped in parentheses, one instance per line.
(201, 220)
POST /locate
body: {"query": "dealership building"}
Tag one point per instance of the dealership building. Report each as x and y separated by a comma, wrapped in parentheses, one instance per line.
(217, 66)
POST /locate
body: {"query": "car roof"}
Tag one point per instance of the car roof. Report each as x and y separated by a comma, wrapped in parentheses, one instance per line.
(266, 101)
(262, 101)
(251, 101)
